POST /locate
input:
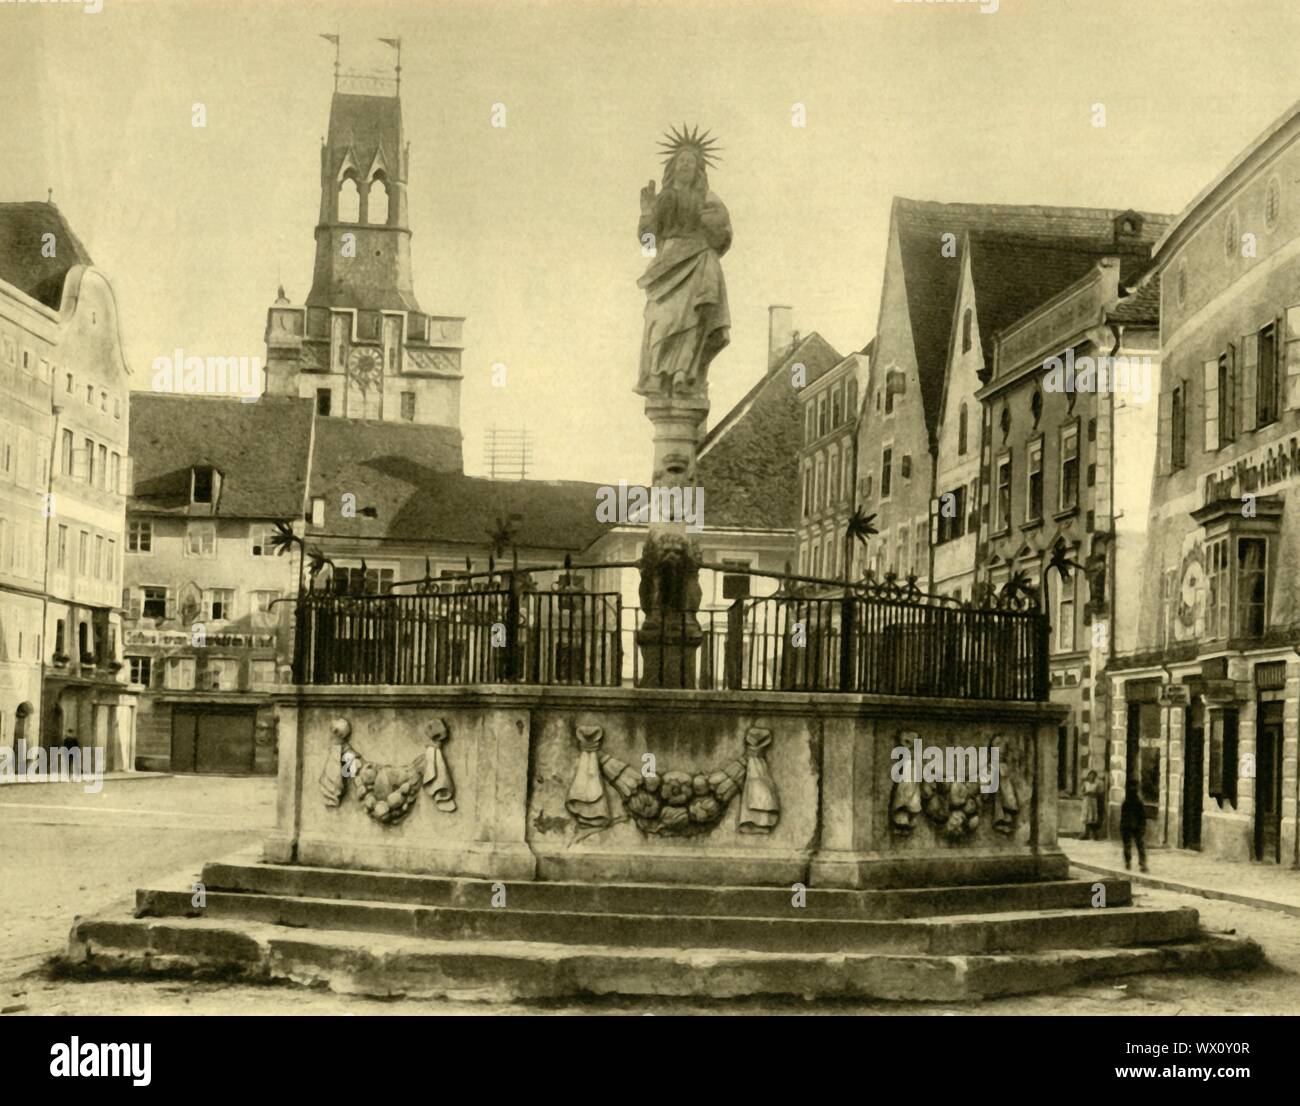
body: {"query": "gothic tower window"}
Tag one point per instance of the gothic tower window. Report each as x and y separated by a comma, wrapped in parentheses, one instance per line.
(377, 201)
(349, 206)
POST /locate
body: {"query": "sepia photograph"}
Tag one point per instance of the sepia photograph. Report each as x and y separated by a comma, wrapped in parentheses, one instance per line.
(529, 508)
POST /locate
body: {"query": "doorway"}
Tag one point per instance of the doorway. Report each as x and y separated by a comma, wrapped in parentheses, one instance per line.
(1193, 774)
(1268, 782)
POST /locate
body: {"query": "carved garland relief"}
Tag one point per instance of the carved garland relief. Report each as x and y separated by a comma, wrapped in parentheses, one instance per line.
(674, 804)
(388, 792)
(954, 807)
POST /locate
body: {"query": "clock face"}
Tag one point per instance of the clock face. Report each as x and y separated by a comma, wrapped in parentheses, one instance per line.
(366, 368)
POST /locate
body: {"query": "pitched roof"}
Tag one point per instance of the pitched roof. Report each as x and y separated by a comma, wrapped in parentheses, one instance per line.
(931, 279)
(259, 448)
(749, 461)
(1013, 274)
(22, 260)
(410, 478)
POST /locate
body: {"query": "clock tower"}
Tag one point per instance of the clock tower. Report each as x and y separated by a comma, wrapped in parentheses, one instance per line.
(361, 347)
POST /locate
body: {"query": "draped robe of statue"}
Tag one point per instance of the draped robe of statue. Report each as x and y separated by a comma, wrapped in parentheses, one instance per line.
(686, 318)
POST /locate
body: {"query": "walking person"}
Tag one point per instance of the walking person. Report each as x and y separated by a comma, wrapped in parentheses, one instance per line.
(1092, 789)
(1132, 826)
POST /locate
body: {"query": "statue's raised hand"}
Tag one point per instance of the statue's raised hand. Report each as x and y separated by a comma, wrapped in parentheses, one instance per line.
(648, 197)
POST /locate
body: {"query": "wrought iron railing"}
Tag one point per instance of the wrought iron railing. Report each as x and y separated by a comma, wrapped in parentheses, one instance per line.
(811, 635)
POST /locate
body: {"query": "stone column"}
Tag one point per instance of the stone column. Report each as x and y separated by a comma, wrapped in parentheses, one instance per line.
(669, 637)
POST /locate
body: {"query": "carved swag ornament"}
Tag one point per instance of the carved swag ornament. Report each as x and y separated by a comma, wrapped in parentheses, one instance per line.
(388, 791)
(953, 807)
(674, 804)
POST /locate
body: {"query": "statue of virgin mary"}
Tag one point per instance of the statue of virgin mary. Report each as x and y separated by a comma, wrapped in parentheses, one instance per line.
(688, 229)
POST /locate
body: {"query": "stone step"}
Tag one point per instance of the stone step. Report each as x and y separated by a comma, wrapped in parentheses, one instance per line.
(648, 898)
(941, 935)
(390, 966)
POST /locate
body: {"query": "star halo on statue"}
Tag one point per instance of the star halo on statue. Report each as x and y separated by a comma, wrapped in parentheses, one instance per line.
(690, 138)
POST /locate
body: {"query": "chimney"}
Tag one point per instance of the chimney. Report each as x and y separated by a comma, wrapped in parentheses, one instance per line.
(780, 335)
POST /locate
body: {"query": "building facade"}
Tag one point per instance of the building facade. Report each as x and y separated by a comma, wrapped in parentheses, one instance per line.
(1206, 700)
(205, 638)
(64, 470)
(1069, 431)
(828, 464)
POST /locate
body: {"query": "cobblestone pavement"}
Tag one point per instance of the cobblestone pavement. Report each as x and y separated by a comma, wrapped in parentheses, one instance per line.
(69, 853)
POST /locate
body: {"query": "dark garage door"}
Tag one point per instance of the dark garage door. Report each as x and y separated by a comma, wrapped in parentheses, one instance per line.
(216, 740)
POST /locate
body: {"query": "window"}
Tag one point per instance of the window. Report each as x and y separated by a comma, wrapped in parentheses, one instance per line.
(1002, 520)
(141, 670)
(1227, 399)
(408, 406)
(846, 485)
(260, 536)
(101, 467)
(833, 477)
(61, 556)
(83, 553)
(807, 490)
(223, 674)
(115, 474)
(90, 461)
(965, 330)
(963, 431)
(837, 408)
(200, 539)
(203, 486)
(324, 397)
(1267, 399)
(886, 472)
(821, 416)
(262, 600)
(1034, 481)
(921, 568)
(179, 675)
(1069, 497)
(155, 602)
(261, 672)
(220, 603)
(139, 535)
(1252, 611)
(810, 423)
(376, 581)
(1178, 426)
(1218, 589)
(952, 515)
(1064, 618)
(99, 556)
(69, 448)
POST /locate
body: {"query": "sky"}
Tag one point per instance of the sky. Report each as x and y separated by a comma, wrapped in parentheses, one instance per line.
(529, 229)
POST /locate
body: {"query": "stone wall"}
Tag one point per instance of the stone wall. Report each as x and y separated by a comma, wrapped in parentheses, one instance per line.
(623, 784)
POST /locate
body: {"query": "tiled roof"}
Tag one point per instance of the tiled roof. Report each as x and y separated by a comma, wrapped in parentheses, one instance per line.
(1141, 307)
(1013, 274)
(22, 261)
(410, 478)
(259, 448)
(931, 278)
(749, 465)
